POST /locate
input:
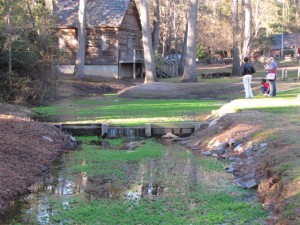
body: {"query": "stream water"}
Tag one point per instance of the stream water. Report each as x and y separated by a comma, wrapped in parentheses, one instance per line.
(144, 182)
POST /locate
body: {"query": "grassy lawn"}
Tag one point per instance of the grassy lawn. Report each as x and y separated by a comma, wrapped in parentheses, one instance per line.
(129, 112)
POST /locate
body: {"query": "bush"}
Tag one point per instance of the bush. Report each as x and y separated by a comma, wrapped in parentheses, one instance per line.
(201, 54)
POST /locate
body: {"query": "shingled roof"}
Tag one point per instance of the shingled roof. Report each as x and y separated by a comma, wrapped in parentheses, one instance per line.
(99, 13)
(289, 40)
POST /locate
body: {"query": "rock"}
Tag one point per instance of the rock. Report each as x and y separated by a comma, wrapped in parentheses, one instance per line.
(221, 148)
(214, 122)
(248, 176)
(231, 141)
(207, 153)
(213, 143)
(225, 156)
(249, 151)
(239, 149)
(73, 141)
(237, 143)
(215, 155)
(249, 162)
(232, 158)
(132, 145)
(230, 169)
(170, 136)
(262, 145)
(250, 183)
(46, 138)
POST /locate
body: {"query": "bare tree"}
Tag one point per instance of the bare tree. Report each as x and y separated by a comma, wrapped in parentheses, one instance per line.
(247, 28)
(8, 42)
(183, 53)
(297, 8)
(150, 75)
(80, 58)
(236, 31)
(156, 24)
(189, 74)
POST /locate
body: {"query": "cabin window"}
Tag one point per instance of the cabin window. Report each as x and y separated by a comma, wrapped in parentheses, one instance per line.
(104, 43)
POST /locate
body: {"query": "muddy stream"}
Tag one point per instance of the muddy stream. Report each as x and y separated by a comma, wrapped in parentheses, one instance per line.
(144, 182)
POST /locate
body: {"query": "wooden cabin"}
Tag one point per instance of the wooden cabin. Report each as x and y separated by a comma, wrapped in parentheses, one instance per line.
(113, 37)
(289, 43)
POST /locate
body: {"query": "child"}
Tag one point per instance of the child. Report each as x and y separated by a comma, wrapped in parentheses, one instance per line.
(265, 87)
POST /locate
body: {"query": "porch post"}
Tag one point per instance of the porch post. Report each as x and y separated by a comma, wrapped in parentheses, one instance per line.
(133, 65)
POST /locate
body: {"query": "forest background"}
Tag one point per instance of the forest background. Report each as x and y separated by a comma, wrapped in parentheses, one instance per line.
(224, 30)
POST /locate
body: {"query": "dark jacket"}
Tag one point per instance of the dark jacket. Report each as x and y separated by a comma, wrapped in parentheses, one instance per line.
(247, 68)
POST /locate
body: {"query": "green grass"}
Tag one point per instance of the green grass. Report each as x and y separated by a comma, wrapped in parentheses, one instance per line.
(130, 112)
(183, 201)
(292, 207)
(193, 207)
(210, 164)
(92, 160)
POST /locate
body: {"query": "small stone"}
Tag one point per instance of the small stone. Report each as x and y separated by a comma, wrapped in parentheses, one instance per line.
(213, 122)
(250, 183)
(221, 148)
(207, 153)
(73, 139)
(169, 136)
(248, 176)
(231, 141)
(239, 149)
(230, 169)
(232, 158)
(46, 138)
(262, 145)
(249, 150)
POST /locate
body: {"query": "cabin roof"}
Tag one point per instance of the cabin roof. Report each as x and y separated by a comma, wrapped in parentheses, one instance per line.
(99, 13)
(289, 40)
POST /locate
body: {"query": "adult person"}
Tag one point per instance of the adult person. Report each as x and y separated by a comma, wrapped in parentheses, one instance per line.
(271, 76)
(247, 70)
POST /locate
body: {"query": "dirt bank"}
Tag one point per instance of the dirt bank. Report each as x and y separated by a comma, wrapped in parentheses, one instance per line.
(27, 149)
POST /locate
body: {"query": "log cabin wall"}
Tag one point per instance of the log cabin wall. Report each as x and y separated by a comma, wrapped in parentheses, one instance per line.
(67, 42)
(130, 37)
(101, 46)
(130, 32)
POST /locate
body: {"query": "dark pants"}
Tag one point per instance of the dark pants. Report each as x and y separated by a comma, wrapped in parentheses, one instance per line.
(272, 87)
(264, 90)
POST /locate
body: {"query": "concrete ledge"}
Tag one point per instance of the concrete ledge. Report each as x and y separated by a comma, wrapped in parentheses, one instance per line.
(182, 125)
(107, 71)
(148, 130)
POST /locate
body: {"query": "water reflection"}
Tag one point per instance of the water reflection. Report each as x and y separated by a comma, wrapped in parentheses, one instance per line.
(151, 179)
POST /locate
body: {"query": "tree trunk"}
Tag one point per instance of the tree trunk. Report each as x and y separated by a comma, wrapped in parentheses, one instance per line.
(156, 24)
(9, 45)
(150, 73)
(190, 73)
(236, 30)
(80, 58)
(297, 11)
(183, 53)
(247, 29)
